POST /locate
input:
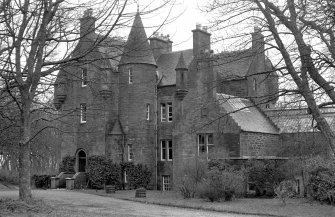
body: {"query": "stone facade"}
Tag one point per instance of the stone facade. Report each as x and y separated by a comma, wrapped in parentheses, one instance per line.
(166, 108)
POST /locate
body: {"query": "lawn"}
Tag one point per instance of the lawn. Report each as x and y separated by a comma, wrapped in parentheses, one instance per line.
(266, 207)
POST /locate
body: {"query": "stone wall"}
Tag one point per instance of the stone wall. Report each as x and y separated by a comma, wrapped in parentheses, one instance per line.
(259, 144)
(302, 144)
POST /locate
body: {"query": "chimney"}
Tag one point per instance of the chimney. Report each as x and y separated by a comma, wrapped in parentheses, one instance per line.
(201, 40)
(87, 23)
(160, 44)
(258, 42)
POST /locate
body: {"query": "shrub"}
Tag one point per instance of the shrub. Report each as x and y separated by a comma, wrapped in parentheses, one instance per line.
(9, 177)
(222, 183)
(41, 181)
(265, 175)
(101, 171)
(192, 175)
(67, 164)
(113, 174)
(285, 190)
(321, 185)
(138, 176)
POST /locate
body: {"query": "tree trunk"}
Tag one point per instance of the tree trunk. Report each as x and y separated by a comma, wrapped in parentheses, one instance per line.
(24, 153)
(24, 171)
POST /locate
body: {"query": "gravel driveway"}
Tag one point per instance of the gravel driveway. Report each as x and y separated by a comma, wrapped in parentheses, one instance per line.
(71, 203)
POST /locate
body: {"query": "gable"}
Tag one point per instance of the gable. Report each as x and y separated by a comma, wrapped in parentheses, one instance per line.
(167, 63)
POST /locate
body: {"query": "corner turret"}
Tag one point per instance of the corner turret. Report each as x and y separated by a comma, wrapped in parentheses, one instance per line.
(181, 78)
(137, 49)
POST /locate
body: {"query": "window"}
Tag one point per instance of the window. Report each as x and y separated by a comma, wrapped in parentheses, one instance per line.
(84, 77)
(203, 112)
(148, 112)
(130, 152)
(125, 176)
(205, 144)
(83, 114)
(130, 75)
(254, 84)
(169, 105)
(166, 112)
(163, 112)
(166, 150)
(166, 183)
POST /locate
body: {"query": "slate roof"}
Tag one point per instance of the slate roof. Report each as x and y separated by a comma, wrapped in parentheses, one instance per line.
(298, 120)
(233, 65)
(248, 117)
(167, 63)
(137, 48)
(112, 49)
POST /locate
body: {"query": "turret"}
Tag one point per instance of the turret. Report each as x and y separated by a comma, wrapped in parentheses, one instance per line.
(137, 49)
(137, 94)
(181, 78)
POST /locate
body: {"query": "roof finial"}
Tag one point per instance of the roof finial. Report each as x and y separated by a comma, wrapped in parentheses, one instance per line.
(138, 7)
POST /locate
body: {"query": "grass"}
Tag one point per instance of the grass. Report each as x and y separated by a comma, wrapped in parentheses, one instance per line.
(263, 207)
(15, 207)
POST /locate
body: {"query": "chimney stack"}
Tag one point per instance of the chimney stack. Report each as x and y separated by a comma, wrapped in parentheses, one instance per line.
(87, 23)
(160, 44)
(201, 40)
(258, 42)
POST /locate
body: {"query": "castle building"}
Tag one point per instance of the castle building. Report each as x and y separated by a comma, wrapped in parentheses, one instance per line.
(141, 102)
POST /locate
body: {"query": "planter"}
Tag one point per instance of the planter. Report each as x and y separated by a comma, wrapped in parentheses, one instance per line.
(69, 183)
(54, 182)
(141, 192)
(110, 189)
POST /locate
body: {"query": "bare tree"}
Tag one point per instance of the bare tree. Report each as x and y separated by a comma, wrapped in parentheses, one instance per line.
(301, 34)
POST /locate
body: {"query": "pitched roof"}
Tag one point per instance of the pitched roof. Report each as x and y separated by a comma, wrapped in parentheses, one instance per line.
(166, 64)
(137, 48)
(233, 65)
(111, 49)
(298, 120)
(248, 117)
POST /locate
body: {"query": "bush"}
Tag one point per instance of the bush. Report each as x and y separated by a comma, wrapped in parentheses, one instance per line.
(101, 171)
(41, 181)
(67, 164)
(285, 190)
(192, 175)
(321, 185)
(9, 177)
(222, 183)
(265, 175)
(138, 176)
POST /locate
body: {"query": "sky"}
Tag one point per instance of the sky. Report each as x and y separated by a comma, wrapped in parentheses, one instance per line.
(185, 14)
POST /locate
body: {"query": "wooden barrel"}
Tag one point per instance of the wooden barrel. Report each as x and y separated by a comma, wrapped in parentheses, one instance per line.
(110, 189)
(140, 192)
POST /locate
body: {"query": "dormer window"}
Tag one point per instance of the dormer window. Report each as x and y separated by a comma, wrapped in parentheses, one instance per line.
(130, 75)
(84, 77)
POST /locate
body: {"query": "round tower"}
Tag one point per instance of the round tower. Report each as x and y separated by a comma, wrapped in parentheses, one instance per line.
(137, 98)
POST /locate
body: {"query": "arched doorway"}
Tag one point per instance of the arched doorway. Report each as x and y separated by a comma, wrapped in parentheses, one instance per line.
(81, 161)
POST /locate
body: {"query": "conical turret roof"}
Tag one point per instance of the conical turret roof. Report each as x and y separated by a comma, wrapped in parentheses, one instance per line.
(181, 62)
(137, 48)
